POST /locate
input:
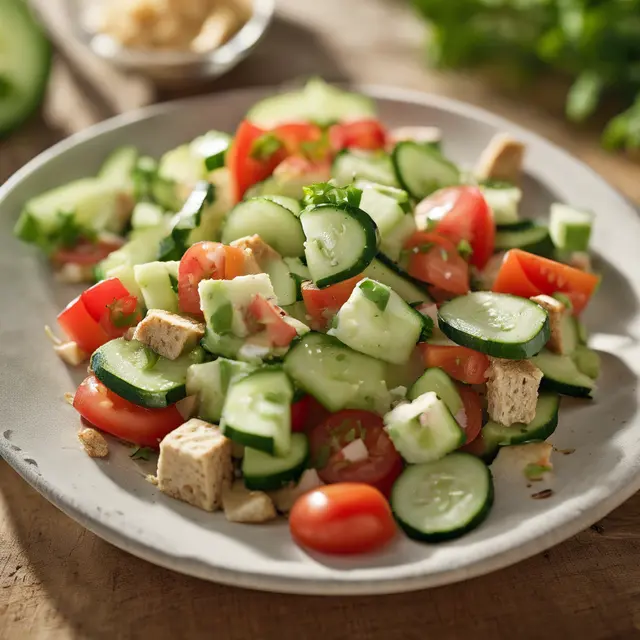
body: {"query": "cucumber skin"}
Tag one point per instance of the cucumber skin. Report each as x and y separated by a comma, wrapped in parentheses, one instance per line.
(443, 536)
(566, 389)
(261, 443)
(279, 480)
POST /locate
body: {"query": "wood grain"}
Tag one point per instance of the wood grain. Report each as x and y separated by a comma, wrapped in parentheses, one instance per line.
(58, 580)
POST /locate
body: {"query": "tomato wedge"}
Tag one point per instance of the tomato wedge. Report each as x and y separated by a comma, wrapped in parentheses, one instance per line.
(323, 304)
(525, 274)
(269, 317)
(360, 134)
(473, 412)
(345, 518)
(202, 261)
(121, 418)
(435, 259)
(461, 363)
(112, 306)
(80, 327)
(461, 213)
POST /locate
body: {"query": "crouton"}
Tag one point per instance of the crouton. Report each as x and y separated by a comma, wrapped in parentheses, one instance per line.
(195, 464)
(501, 160)
(168, 334)
(242, 505)
(512, 390)
(260, 250)
(93, 442)
(557, 312)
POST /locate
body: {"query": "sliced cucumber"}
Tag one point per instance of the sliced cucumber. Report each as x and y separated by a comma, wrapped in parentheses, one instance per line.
(570, 228)
(147, 215)
(442, 500)
(289, 203)
(421, 169)
(263, 472)
(587, 360)
(285, 285)
(137, 374)
(299, 272)
(436, 380)
(497, 324)
(541, 427)
(534, 239)
(226, 346)
(212, 148)
(338, 377)
(158, 283)
(562, 375)
(519, 225)
(388, 272)
(275, 224)
(257, 411)
(351, 165)
(117, 170)
(342, 240)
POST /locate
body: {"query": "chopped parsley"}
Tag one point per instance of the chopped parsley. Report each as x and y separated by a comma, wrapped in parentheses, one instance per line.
(328, 193)
(264, 147)
(465, 249)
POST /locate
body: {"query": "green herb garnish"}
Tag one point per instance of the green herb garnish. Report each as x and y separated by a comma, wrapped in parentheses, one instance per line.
(464, 249)
(141, 453)
(328, 193)
(264, 147)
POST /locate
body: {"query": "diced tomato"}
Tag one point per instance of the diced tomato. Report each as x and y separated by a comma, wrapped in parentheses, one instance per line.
(525, 274)
(327, 440)
(463, 364)
(269, 316)
(435, 259)
(121, 418)
(245, 169)
(300, 413)
(87, 253)
(202, 261)
(345, 518)
(98, 297)
(302, 169)
(323, 304)
(121, 315)
(80, 327)
(473, 412)
(302, 138)
(360, 134)
(234, 263)
(462, 213)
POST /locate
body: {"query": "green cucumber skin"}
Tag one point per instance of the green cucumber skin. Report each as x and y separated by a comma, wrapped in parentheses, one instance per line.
(566, 389)
(261, 443)
(276, 481)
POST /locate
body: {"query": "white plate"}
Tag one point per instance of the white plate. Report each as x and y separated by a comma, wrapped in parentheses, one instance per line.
(111, 497)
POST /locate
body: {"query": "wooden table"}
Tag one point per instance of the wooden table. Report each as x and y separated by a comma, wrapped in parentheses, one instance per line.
(59, 581)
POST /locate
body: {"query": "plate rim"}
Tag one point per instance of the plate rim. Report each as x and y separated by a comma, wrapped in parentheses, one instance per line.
(298, 584)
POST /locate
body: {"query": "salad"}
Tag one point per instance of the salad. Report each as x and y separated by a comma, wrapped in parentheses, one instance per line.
(321, 317)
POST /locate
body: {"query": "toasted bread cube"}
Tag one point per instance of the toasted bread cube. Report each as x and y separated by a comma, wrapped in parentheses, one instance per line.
(260, 250)
(251, 507)
(512, 390)
(195, 464)
(501, 160)
(168, 334)
(93, 442)
(556, 311)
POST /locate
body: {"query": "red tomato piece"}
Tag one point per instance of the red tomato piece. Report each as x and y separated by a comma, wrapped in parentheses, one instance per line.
(461, 363)
(300, 413)
(302, 138)
(87, 253)
(435, 259)
(121, 418)
(302, 169)
(382, 466)
(98, 297)
(323, 304)
(360, 134)
(234, 263)
(345, 518)
(202, 261)
(473, 412)
(121, 315)
(512, 279)
(80, 327)
(269, 316)
(462, 214)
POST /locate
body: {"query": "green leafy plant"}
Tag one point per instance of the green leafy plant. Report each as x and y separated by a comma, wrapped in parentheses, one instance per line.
(595, 42)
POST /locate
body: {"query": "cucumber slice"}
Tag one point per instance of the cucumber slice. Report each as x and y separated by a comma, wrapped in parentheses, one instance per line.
(26, 61)
(342, 240)
(570, 228)
(338, 377)
(288, 203)
(519, 225)
(504, 203)
(534, 239)
(388, 272)
(316, 102)
(541, 427)
(257, 411)
(135, 373)
(442, 500)
(562, 375)
(147, 215)
(262, 472)
(275, 224)
(497, 324)
(117, 170)
(299, 272)
(212, 148)
(351, 165)
(436, 380)
(285, 285)
(421, 169)
(587, 361)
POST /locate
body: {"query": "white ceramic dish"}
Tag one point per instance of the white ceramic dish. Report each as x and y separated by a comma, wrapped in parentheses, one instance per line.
(111, 497)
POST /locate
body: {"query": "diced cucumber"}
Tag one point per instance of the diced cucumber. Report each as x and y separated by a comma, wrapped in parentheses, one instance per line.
(263, 472)
(351, 165)
(257, 411)
(135, 373)
(503, 202)
(424, 429)
(299, 272)
(436, 380)
(341, 241)
(127, 276)
(562, 375)
(285, 285)
(569, 334)
(570, 228)
(146, 215)
(388, 272)
(117, 170)
(587, 360)
(158, 283)
(442, 500)
(421, 169)
(226, 346)
(212, 148)
(533, 239)
(497, 324)
(338, 377)
(376, 321)
(275, 224)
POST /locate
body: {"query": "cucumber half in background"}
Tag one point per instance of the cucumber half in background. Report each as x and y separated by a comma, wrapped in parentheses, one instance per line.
(25, 60)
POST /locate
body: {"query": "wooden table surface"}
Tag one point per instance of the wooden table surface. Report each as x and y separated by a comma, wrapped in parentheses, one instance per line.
(57, 580)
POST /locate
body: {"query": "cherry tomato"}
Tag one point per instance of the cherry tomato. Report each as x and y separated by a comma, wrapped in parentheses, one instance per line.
(323, 304)
(465, 365)
(382, 466)
(342, 519)
(119, 417)
(359, 134)
(300, 413)
(80, 327)
(435, 259)
(472, 410)
(269, 317)
(462, 213)
(234, 263)
(522, 273)
(202, 261)
(87, 253)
